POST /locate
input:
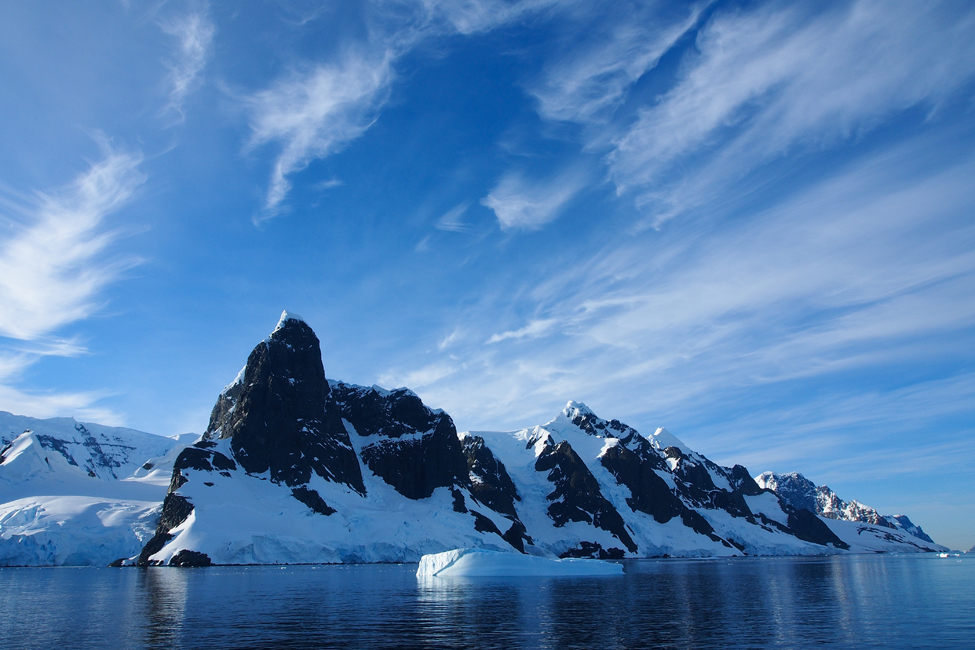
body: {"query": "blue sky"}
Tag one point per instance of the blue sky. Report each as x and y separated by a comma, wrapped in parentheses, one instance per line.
(753, 223)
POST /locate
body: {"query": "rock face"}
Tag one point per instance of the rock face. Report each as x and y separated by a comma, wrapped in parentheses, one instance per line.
(294, 468)
(280, 416)
(800, 493)
(413, 448)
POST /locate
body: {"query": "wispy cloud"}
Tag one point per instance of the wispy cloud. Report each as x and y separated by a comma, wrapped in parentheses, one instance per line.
(765, 82)
(522, 204)
(420, 377)
(534, 329)
(53, 267)
(316, 113)
(193, 33)
(613, 49)
(451, 219)
(848, 276)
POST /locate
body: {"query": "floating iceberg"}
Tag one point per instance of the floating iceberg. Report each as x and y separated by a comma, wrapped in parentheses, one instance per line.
(470, 562)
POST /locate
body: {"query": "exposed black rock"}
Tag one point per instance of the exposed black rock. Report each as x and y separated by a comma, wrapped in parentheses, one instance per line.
(743, 483)
(201, 457)
(373, 411)
(586, 420)
(280, 416)
(810, 528)
(650, 493)
(595, 551)
(490, 483)
(517, 536)
(577, 496)
(417, 465)
(187, 558)
(484, 525)
(460, 504)
(417, 450)
(312, 499)
(174, 512)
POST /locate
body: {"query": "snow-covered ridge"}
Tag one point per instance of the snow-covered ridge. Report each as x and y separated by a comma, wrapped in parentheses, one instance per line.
(800, 492)
(295, 468)
(79, 493)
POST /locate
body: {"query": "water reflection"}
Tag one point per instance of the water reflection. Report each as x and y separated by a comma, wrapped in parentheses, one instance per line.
(164, 594)
(745, 602)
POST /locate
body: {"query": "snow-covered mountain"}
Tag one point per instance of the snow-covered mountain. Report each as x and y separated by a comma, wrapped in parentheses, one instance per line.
(849, 519)
(79, 493)
(295, 468)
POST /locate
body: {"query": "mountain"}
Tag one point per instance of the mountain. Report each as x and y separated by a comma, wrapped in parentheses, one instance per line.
(79, 493)
(876, 531)
(296, 468)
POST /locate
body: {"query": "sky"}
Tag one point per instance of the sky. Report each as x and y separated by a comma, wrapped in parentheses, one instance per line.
(750, 222)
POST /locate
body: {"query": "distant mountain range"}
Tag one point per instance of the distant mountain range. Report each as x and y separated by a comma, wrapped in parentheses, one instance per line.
(294, 468)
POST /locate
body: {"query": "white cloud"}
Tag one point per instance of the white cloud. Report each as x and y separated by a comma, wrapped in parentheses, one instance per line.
(193, 33)
(316, 113)
(451, 220)
(521, 204)
(768, 81)
(418, 378)
(534, 329)
(53, 266)
(49, 405)
(52, 269)
(871, 268)
(471, 16)
(593, 77)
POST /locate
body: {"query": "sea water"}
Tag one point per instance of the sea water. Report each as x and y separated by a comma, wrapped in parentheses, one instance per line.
(910, 601)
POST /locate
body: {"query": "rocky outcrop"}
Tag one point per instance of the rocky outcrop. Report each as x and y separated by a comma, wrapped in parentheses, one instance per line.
(280, 416)
(801, 493)
(489, 481)
(577, 496)
(411, 447)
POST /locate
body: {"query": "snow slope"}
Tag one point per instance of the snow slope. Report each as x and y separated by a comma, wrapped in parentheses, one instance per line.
(77, 493)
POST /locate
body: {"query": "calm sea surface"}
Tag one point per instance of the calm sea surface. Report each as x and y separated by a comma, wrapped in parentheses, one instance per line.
(856, 601)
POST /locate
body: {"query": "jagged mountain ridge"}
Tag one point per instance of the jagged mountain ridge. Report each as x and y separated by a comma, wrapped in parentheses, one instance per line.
(799, 492)
(298, 468)
(295, 468)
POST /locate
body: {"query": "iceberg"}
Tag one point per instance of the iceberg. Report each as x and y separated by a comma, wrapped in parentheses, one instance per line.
(483, 563)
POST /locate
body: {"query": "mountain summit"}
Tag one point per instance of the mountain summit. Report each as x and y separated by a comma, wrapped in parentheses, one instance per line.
(296, 468)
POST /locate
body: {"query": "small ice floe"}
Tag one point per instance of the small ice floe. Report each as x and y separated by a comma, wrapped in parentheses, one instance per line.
(482, 563)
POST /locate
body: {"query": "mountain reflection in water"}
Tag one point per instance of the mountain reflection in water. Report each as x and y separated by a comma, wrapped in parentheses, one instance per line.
(863, 601)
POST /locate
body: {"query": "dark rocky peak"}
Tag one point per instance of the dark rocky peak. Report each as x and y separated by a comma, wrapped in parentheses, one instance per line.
(582, 417)
(490, 483)
(576, 495)
(417, 449)
(741, 481)
(650, 494)
(792, 488)
(391, 413)
(280, 415)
